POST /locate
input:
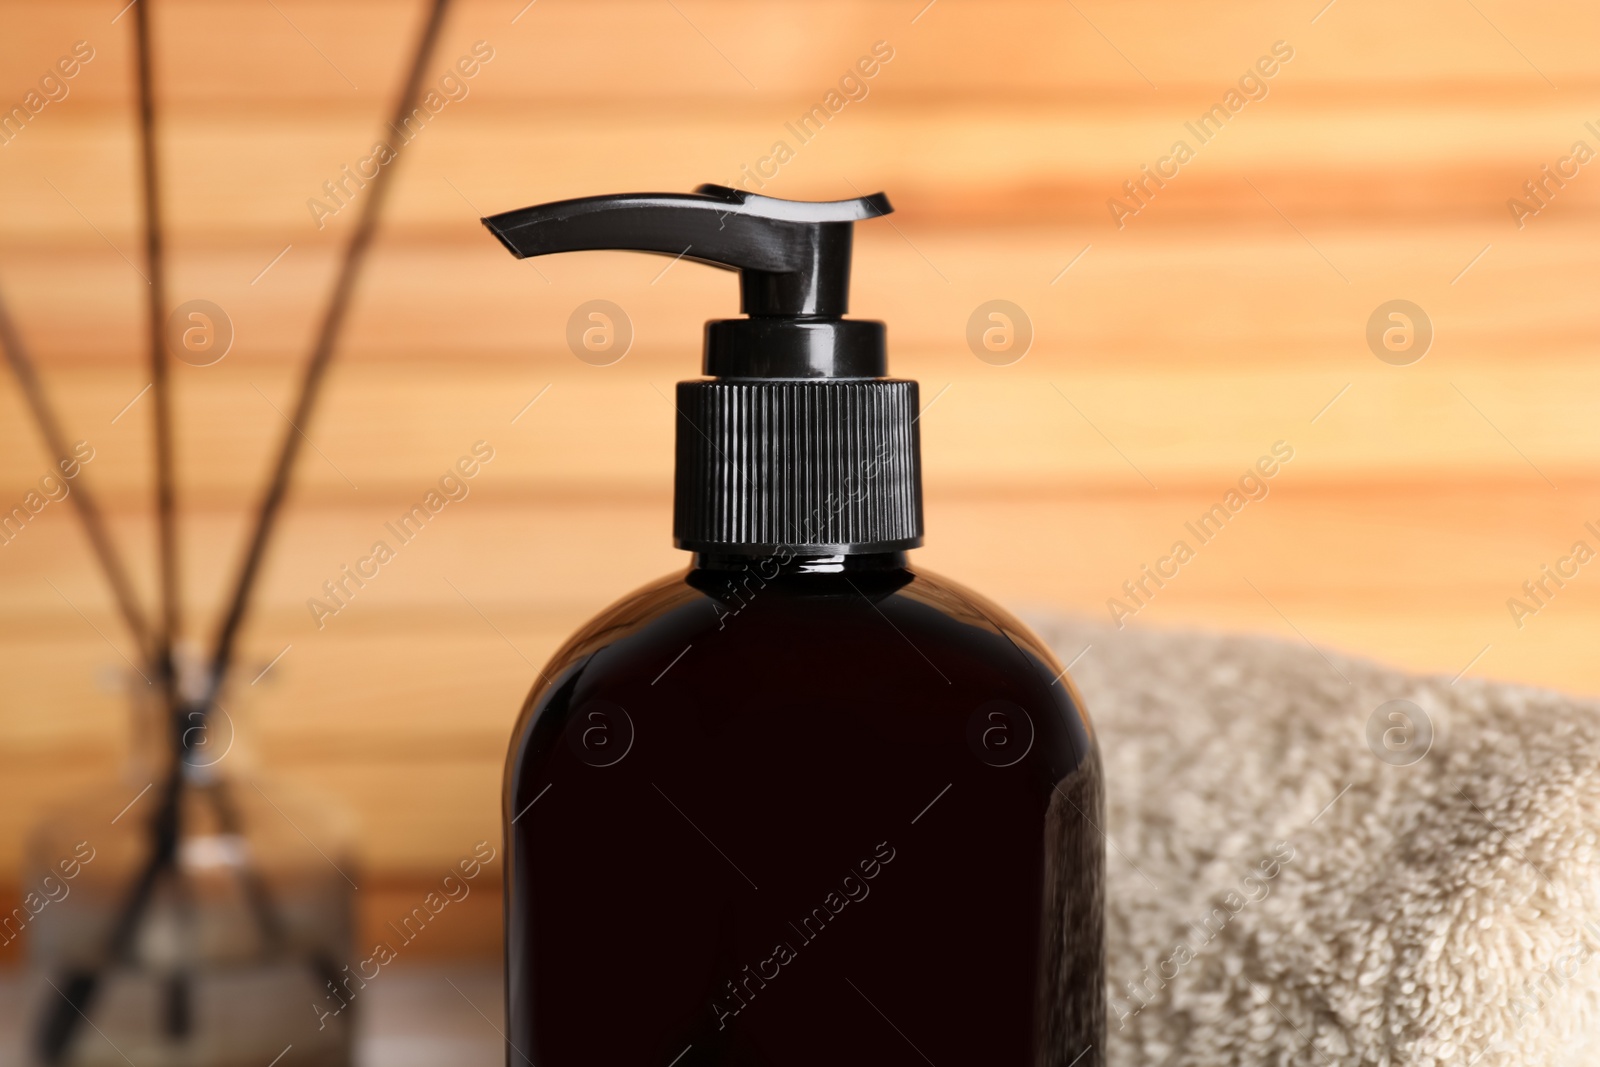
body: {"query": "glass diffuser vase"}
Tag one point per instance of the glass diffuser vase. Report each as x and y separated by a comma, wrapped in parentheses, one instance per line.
(233, 948)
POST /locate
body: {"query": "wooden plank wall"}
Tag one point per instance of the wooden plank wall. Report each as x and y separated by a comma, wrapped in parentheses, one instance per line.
(1225, 316)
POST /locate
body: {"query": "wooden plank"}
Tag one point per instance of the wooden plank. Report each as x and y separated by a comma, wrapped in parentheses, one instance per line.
(1237, 298)
(386, 434)
(1442, 549)
(1046, 162)
(609, 48)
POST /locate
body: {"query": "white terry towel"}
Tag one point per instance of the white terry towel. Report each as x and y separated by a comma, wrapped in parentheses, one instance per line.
(1279, 893)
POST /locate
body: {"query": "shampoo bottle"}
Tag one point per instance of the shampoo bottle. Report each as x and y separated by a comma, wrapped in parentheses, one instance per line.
(802, 803)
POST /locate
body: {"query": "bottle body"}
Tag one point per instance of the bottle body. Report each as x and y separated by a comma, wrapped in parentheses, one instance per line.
(832, 810)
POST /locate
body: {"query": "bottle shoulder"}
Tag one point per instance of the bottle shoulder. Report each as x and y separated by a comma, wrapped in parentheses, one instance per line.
(905, 636)
(702, 605)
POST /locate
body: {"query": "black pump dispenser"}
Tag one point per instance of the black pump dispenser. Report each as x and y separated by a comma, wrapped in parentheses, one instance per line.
(853, 730)
(799, 442)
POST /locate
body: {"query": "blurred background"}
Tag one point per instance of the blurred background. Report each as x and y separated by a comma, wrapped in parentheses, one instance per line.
(1159, 336)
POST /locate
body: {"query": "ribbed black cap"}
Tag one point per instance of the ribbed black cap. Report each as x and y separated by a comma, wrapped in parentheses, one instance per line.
(823, 467)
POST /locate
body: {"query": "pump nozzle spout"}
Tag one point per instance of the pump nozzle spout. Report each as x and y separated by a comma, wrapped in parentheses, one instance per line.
(793, 256)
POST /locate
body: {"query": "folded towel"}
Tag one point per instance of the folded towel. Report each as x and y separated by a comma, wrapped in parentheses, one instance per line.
(1315, 860)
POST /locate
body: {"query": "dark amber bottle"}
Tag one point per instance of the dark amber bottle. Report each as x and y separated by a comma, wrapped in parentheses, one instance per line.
(803, 803)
